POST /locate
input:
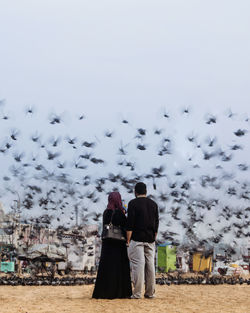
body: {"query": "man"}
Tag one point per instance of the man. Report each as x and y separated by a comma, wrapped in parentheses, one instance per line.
(142, 227)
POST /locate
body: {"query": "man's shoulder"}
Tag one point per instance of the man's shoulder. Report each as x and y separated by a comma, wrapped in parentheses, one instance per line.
(131, 202)
(152, 202)
(138, 200)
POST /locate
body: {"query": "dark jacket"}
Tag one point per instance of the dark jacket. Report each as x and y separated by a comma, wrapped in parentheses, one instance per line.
(143, 219)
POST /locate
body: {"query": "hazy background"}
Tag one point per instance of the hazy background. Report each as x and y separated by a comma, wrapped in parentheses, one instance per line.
(133, 60)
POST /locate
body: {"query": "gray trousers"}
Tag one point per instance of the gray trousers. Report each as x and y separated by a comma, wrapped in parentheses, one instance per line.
(141, 256)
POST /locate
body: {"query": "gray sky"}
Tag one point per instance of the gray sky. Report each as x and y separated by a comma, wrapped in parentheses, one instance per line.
(125, 56)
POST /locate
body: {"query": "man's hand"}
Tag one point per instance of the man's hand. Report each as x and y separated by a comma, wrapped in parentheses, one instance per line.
(129, 234)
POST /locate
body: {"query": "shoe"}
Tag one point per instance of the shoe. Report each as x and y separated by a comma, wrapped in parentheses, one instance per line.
(149, 297)
(134, 297)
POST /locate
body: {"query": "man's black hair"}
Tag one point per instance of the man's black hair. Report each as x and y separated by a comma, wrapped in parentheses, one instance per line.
(141, 188)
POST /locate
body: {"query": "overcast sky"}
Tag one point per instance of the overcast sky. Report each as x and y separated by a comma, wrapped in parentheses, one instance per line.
(125, 56)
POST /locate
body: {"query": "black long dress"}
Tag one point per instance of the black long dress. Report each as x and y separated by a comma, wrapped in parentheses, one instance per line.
(113, 277)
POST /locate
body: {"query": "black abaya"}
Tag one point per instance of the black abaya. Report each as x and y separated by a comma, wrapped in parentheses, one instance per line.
(113, 277)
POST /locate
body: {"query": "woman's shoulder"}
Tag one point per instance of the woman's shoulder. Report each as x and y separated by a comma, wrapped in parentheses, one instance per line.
(107, 212)
(115, 211)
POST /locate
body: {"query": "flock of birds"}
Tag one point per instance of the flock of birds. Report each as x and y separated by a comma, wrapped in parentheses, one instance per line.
(164, 280)
(57, 172)
(45, 281)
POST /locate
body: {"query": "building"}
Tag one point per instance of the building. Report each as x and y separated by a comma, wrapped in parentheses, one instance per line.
(80, 243)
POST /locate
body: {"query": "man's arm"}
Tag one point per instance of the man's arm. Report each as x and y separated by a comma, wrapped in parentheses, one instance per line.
(156, 221)
(129, 234)
(130, 223)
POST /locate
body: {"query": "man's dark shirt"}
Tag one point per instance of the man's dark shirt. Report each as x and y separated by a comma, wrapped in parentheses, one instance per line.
(143, 219)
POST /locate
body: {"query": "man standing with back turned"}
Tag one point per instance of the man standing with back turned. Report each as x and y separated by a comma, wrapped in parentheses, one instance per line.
(142, 227)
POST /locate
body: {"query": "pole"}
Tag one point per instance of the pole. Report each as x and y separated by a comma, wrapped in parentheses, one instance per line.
(76, 211)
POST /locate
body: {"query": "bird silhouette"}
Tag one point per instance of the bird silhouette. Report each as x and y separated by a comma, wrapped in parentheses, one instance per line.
(52, 156)
(240, 132)
(88, 144)
(109, 134)
(141, 147)
(29, 110)
(55, 119)
(210, 119)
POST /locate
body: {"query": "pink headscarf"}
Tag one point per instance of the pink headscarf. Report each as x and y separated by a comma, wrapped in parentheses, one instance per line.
(115, 201)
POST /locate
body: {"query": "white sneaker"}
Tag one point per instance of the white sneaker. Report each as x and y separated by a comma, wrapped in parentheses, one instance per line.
(134, 297)
(149, 297)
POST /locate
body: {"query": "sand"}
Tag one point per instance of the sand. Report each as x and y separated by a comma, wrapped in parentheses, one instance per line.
(171, 299)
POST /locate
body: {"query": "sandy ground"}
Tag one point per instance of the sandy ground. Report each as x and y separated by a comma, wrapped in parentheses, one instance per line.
(172, 299)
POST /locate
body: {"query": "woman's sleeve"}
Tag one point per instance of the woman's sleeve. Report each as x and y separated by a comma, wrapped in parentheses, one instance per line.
(107, 215)
(104, 218)
(123, 220)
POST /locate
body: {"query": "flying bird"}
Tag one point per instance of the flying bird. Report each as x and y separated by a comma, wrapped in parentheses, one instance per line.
(240, 132)
(88, 144)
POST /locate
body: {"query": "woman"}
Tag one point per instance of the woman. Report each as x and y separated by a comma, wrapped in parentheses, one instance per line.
(113, 277)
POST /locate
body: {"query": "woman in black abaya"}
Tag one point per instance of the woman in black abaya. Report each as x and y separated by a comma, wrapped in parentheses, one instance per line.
(113, 277)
